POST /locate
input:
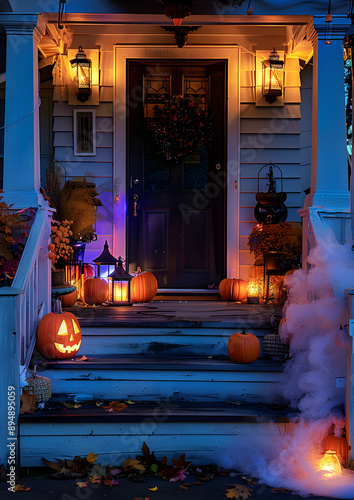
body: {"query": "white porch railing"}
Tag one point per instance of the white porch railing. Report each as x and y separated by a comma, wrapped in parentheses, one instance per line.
(21, 307)
(349, 386)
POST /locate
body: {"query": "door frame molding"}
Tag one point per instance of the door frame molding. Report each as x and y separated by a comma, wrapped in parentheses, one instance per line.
(230, 53)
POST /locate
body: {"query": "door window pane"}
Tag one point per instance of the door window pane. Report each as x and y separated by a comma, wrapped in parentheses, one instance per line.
(157, 88)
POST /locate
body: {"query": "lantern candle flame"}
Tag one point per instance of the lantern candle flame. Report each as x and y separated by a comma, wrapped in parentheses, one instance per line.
(330, 464)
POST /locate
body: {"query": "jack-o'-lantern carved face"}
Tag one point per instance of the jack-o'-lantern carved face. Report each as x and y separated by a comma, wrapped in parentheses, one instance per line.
(58, 335)
(72, 344)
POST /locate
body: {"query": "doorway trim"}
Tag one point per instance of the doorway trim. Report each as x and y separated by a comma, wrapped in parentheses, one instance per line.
(120, 114)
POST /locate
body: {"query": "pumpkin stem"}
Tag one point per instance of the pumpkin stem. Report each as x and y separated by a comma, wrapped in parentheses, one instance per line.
(57, 307)
(243, 332)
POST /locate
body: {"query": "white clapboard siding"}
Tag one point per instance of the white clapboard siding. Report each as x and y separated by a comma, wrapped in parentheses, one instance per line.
(63, 109)
(251, 170)
(288, 111)
(264, 126)
(102, 155)
(248, 199)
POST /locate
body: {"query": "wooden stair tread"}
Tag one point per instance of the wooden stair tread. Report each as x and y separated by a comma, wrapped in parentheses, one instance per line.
(181, 411)
(144, 362)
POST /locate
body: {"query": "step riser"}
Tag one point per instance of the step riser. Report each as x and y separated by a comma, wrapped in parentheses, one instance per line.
(114, 443)
(153, 385)
(151, 341)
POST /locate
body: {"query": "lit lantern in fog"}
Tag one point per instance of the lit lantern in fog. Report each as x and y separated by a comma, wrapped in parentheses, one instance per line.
(252, 291)
(119, 286)
(273, 75)
(330, 464)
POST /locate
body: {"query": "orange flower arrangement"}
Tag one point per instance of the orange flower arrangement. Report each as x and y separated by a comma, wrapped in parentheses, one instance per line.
(60, 249)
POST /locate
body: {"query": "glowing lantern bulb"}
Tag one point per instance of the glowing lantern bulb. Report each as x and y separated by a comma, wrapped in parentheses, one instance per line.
(330, 464)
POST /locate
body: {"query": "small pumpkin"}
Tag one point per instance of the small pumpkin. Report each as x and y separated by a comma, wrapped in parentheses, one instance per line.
(339, 444)
(233, 289)
(143, 287)
(58, 334)
(69, 299)
(284, 333)
(341, 337)
(243, 347)
(95, 291)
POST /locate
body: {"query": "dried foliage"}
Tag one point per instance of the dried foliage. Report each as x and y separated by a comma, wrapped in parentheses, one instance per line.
(283, 237)
(60, 249)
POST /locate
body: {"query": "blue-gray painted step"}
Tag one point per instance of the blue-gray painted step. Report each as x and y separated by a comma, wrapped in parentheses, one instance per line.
(178, 378)
(163, 340)
(205, 432)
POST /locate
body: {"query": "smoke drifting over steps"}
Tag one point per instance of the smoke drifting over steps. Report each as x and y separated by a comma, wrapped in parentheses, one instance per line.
(315, 309)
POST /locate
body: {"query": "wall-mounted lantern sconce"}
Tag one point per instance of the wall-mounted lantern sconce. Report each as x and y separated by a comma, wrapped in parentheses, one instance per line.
(273, 77)
(82, 68)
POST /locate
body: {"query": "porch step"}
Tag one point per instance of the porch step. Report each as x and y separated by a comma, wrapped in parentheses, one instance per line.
(204, 431)
(162, 340)
(157, 377)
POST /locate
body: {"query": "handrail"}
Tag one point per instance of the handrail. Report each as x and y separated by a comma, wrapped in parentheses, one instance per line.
(30, 252)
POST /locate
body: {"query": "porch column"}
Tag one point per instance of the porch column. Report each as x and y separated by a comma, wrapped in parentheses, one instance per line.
(329, 165)
(21, 142)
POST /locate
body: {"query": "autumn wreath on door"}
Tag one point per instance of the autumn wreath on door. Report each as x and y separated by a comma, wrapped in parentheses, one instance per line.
(181, 128)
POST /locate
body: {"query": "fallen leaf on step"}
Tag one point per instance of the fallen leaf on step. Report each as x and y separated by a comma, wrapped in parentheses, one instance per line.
(131, 402)
(114, 472)
(76, 405)
(280, 490)
(110, 482)
(91, 457)
(52, 465)
(95, 479)
(115, 406)
(134, 464)
(21, 487)
(27, 401)
(83, 358)
(180, 477)
(183, 487)
(81, 484)
(238, 491)
(99, 403)
(196, 482)
(155, 488)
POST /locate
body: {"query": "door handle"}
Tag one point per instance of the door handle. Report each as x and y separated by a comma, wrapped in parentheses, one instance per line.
(135, 199)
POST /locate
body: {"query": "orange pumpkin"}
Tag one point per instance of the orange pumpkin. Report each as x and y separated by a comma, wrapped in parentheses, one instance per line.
(58, 334)
(284, 334)
(95, 291)
(69, 299)
(143, 287)
(233, 289)
(339, 444)
(243, 347)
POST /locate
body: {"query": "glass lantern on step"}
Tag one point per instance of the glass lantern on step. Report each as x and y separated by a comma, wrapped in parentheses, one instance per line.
(105, 263)
(119, 286)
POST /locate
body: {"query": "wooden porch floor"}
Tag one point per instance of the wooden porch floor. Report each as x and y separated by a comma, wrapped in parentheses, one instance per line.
(179, 313)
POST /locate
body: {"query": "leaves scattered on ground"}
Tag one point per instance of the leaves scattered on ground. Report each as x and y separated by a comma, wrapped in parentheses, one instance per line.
(115, 406)
(238, 491)
(82, 484)
(155, 488)
(27, 403)
(280, 490)
(21, 487)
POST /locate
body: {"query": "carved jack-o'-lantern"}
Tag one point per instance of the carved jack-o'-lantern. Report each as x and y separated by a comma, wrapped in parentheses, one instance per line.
(58, 334)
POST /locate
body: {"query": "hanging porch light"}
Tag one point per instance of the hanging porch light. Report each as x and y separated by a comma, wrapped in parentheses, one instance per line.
(273, 77)
(105, 263)
(119, 293)
(83, 69)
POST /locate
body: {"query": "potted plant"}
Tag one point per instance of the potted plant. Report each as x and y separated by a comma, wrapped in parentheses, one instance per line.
(12, 239)
(282, 240)
(60, 250)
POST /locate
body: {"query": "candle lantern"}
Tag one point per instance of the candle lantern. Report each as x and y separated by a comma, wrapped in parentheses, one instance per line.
(273, 76)
(119, 285)
(330, 464)
(105, 263)
(82, 68)
(73, 275)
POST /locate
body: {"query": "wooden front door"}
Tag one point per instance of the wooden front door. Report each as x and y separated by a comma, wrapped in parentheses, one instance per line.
(176, 209)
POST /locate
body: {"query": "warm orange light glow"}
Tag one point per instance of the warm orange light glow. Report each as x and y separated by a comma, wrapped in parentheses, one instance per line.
(330, 464)
(120, 291)
(252, 288)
